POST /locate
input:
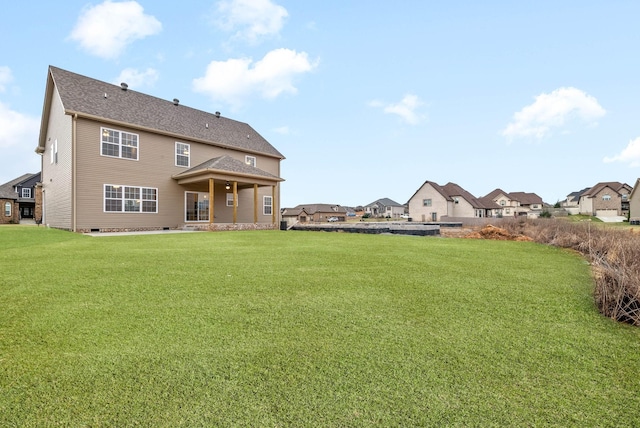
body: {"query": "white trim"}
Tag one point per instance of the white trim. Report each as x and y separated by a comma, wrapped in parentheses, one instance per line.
(251, 160)
(264, 204)
(119, 144)
(205, 197)
(187, 155)
(123, 200)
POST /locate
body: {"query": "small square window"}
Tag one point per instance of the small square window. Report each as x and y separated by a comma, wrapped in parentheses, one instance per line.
(250, 160)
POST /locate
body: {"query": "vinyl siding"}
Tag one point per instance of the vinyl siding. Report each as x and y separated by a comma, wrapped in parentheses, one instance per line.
(419, 212)
(56, 177)
(154, 168)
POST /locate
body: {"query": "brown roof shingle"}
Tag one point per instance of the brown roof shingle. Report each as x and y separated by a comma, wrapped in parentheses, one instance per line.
(94, 98)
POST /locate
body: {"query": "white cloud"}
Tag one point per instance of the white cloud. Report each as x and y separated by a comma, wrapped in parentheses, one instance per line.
(232, 81)
(17, 128)
(5, 77)
(406, 108)
(18, 141)
(105, 30)
(251, 19)
(630, 154)
(136, 78)
(552, 111)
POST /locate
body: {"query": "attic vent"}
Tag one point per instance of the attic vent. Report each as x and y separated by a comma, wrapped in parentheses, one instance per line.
(176, 101)
(124, 86)
(217, 114)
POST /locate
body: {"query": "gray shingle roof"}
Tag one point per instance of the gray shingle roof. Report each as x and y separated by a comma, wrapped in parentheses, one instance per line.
(6, 189)
(91, 97)
(228, 164)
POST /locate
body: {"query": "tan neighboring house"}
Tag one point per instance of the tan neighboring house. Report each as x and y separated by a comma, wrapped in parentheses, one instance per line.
(572, 203)
(634, 204)
(432, 202)
(606, 199)
(384, 207)
(517, 203)
(116, 159)
(314, 213)
(20, 200)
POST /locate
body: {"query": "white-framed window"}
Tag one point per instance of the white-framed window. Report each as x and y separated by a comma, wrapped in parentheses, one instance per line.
(26, 192)
(130, 199)
(118, 144)
(426, 202)
(196, 206)
(7, 209)
(183, 152)
(267, 205)
(250, 160)
(54, 151)
(606, 197)
(230, 200)
(502, 202)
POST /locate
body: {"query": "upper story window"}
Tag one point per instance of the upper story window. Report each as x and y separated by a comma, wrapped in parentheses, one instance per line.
(26, 192)
(118, 144)
(606, 197)
(183, 157)
(502, 202)
(130, 199)
(250, 160)
(54, 152)
(624, 196)
(426, 202)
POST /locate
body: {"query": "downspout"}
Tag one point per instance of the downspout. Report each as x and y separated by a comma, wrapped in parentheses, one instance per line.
(74, 173)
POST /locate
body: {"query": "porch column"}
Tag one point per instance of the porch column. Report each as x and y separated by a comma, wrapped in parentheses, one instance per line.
(255, 203)
(273, 204)
(210, 200)
(235, 202)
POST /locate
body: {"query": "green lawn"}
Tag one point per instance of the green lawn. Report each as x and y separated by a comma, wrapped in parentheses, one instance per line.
(305, 329)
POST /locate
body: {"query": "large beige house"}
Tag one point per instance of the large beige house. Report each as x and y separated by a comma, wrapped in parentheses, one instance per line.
(517, 203)
(606, 199)
(634, 204)
(432, 202)
(116, 159)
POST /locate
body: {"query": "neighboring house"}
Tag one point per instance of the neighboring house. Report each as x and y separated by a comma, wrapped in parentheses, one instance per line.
(116, 159)
(634, 204)
(384, 207)
(606, 199)
(432, 202)
(19, 199)
(517, 203)
(573, 199)
(572, 203)
(314, 213)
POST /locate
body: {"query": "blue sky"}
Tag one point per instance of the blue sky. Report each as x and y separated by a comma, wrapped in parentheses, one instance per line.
(366, 99)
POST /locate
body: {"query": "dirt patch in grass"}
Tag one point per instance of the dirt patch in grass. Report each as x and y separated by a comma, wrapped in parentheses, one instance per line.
(496, 233)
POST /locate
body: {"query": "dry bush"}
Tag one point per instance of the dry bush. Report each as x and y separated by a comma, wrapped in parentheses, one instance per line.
(614, 255)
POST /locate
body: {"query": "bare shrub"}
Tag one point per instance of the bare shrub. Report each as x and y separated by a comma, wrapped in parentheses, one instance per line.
(614, 255)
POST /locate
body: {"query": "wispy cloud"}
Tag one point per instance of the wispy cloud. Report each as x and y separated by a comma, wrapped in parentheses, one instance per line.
(554, 111)
(17, 129)
(234, 80)
(5, 77)
(407, 109)
(107, 29)
(251, 19)
(630, 154)
(283, 130)
(136, 78)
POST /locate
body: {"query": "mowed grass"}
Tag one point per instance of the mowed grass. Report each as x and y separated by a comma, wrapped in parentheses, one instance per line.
(305, 329)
